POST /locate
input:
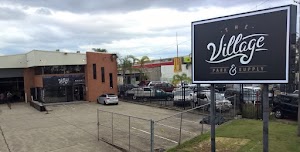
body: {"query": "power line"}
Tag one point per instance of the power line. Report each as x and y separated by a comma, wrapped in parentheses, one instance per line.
(263, 2)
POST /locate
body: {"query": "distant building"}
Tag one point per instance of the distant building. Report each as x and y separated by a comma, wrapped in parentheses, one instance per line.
(52, 76)
(157, 70)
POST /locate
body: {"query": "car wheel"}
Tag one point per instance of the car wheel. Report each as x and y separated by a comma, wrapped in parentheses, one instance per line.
(117, 103)
(145, 99)
(134, 97)
(278, 114)
(168, 98)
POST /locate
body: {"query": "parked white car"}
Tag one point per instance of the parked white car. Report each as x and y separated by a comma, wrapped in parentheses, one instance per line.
(181, 97)
(108, 99)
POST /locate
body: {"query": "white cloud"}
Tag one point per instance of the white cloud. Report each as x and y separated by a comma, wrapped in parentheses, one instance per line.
(143, 29)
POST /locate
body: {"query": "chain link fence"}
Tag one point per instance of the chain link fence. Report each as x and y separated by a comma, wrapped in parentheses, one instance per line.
(138, 134)
(128, 132)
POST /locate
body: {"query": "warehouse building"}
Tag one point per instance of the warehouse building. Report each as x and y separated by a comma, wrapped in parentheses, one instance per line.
(51, 76)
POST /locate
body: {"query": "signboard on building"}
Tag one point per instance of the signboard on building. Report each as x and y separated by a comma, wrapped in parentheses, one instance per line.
(177, 64)
(251, 47)
(67, 80)
(187, 59)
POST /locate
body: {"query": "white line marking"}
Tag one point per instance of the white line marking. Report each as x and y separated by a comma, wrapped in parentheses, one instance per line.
(156, 135)
(176, 128)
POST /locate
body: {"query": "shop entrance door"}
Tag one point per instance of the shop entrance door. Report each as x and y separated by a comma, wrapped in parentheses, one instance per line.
(78, 92)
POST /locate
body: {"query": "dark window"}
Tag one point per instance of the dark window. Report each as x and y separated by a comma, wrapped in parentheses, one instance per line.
(147, 89)
(74, 69)
(54, 69)
(38, 70)
(59, 69)
(56, 94)
(94, 71)
(111, 80)
(103, 74)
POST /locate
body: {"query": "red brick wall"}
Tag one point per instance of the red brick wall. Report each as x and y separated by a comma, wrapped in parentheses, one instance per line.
(38, 81)
(96, 87)
(28, 81)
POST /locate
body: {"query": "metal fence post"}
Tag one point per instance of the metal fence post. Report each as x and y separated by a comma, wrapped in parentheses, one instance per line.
(180, 129)
(129, 131)
(152, 135)
(234, 105)
(202, 127)
(212, 118)
(98, 123)
(265, 117)
(112, 128)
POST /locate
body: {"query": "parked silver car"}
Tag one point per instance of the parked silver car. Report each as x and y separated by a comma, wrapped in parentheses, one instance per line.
(222, 104)
(108, 99)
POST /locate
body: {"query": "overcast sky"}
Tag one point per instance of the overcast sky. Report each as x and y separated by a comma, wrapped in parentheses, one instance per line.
(137, 27)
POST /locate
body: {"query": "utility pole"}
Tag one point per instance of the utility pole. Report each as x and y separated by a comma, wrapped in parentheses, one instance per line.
(176, 45)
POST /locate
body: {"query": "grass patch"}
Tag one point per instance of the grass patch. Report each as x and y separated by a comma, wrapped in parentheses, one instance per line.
(246, 136)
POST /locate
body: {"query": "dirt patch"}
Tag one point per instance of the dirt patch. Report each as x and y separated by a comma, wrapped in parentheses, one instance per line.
(223, 144)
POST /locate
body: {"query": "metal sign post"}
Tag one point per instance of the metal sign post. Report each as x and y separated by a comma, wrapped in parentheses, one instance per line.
(212, 118)
(265, 117)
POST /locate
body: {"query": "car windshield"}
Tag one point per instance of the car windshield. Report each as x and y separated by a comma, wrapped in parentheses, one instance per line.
(218, 96)
(111, 95)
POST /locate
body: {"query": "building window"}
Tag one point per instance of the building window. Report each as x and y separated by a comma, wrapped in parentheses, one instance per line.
(111, 80)
(102, 74)
(59, 69)
(74, 69)
(94, 71)
(38, 70)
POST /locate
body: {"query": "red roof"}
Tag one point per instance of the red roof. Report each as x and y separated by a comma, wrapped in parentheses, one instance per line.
(154, 65)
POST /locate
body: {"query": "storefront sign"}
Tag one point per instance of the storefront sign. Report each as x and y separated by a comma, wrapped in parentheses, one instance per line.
(177, 64)
(244, 48)
(67, 80)
(187, 59)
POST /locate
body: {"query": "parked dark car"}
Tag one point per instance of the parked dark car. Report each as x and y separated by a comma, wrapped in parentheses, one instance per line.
(285, 105)
(167, 87)
(122, 88)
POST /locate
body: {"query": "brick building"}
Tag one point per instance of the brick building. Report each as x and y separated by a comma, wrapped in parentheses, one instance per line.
(50, 76)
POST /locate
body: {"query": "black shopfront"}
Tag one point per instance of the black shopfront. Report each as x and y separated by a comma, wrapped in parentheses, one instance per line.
(63, 88)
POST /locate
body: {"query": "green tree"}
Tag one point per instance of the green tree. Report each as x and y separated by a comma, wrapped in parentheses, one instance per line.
(126, 64)
(99, 50)
(141, 62)
(181, 78)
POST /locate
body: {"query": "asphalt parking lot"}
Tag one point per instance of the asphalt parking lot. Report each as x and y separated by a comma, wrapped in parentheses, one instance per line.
(73, 127)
